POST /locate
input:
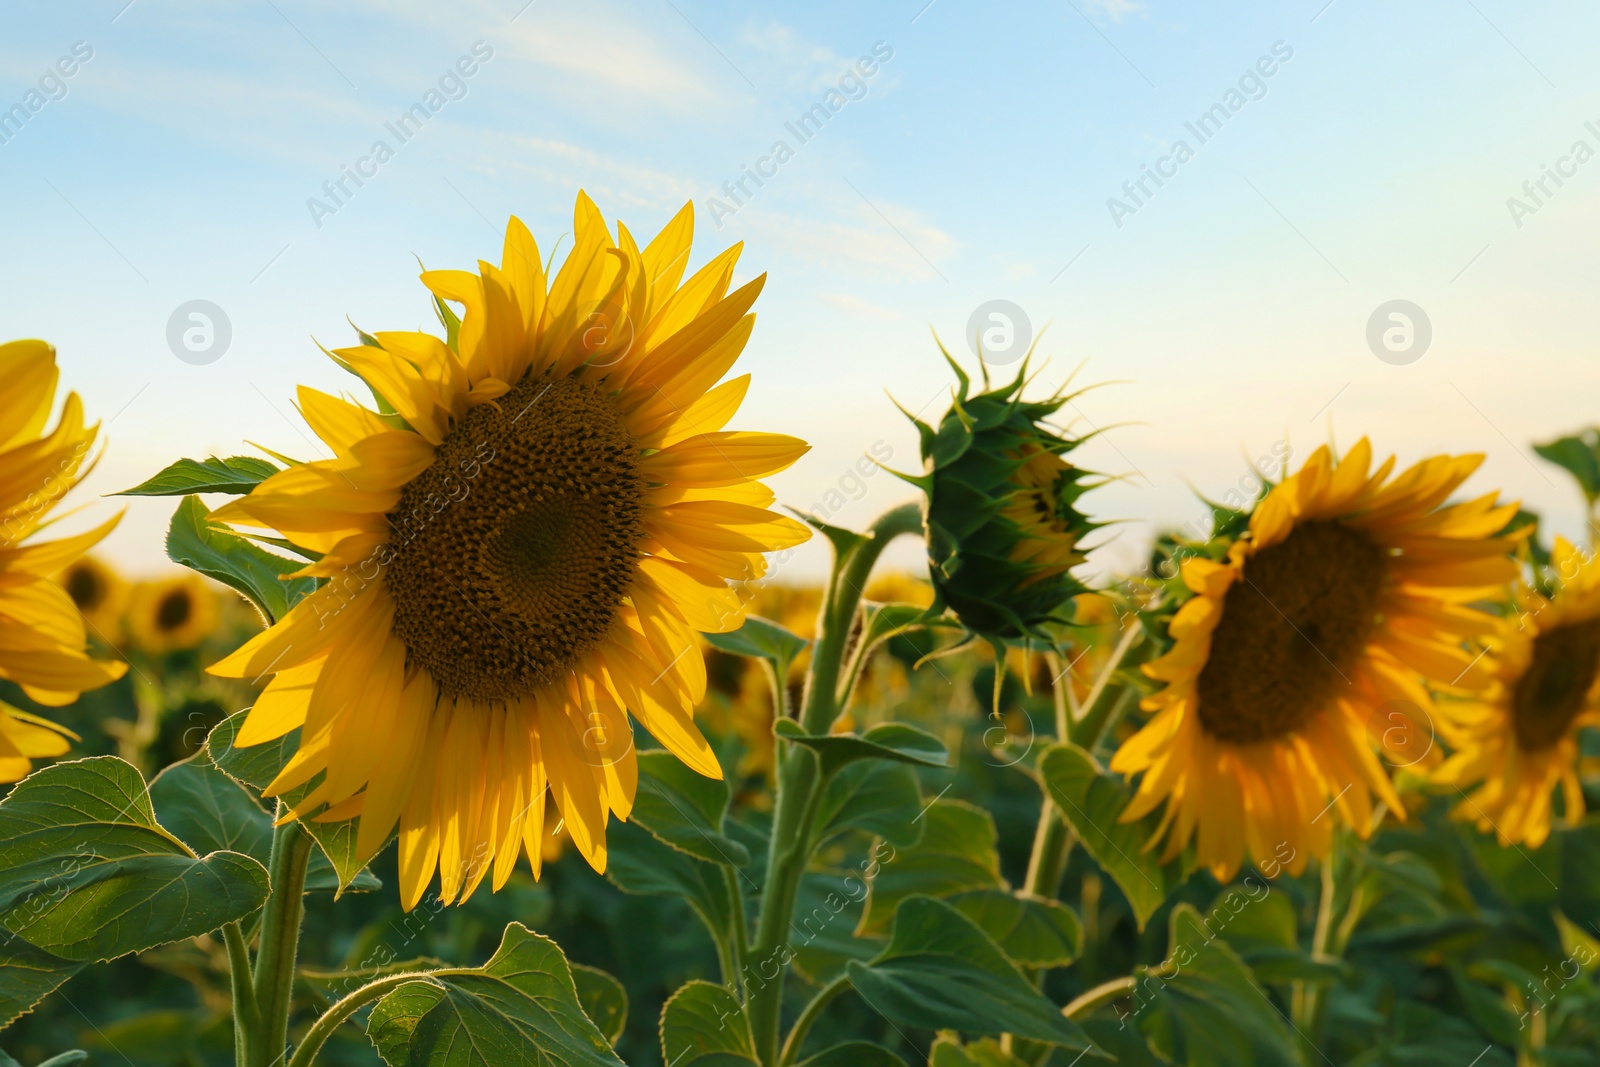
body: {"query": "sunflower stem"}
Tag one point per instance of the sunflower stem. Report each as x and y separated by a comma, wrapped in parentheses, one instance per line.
(799, 779)
(1306, 1007)
(280, 941)
(739, 945)
(349, 1004)
(802, 1026)
(246, 1016)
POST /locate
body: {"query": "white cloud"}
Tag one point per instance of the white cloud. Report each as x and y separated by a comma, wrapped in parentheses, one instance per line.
(857, 308)
(1117, 10)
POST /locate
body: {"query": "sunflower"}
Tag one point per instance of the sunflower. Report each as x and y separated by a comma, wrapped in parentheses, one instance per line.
(1003, 528)
(99, 593)
(42, 637)
(1306, 647)
(1521, 739)
(172, 614)
(518, 553)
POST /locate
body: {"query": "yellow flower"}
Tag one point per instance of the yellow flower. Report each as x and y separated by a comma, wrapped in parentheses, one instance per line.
(99, 593)
(524, 550)
(42, 636)
(1308, 645)
(1521, 740)
(171, 614)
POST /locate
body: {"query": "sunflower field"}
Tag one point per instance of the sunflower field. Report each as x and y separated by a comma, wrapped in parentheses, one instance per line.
(487, 741)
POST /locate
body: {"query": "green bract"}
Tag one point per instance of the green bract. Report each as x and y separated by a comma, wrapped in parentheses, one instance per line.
(1003, 529)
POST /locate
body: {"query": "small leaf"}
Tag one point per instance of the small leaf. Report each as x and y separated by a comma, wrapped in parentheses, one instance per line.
(889, 741)
(604, 1000)
(256, 766)
(705, 1024)
(86, 873)
(66, 1059)
(639, 863)
(854, 1054)
(1031, 931)
(1202, 1008)
(521, 1007)
(941, 972)
(1578, 456)
(761, 638)
(876, 796)
(236, 474)
(948, 1052)
(208, 810)
(1093, 800)
(220, 554)
(956, 853)
(684, 809)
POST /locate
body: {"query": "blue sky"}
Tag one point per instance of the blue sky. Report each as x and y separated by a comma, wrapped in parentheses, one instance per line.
(976, 163)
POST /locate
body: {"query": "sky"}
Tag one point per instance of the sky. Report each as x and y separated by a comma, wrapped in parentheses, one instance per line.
(1317, 162)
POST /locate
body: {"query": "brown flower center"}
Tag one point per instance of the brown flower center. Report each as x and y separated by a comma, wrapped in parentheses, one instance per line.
(1554, 688)
(1292, 626)
(513, 551)
(86, 588)
(173, 610)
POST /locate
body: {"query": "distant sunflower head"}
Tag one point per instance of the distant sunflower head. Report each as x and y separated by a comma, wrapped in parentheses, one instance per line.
(172, 614)
(1519, 741)
(1308, 645)
(99, 593)
(1001, 511)
(520, 545)
(42, 635)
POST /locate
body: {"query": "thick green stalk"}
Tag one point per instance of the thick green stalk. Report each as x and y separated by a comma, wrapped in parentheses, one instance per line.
(799, 781)
(280, 941)
(246, 1017)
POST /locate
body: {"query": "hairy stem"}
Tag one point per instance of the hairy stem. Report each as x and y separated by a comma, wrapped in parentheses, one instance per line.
(280, 941)
(246, 1016)
(799, 778)
(802, 1025)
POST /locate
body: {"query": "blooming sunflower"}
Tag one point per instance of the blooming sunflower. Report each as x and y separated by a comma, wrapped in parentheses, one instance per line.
(520, 555)
(172, 614)
(1521, 739)
(42, 636)
(99, 593)
(1306, 647)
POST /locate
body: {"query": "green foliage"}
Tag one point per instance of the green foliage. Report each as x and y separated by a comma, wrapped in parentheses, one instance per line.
(1579, 456)
(889, 741)
(684, 809)
(222, 555)
(956, 853)
(87, 874)
(705, 1024)
(941, 971)
(522, 1004)
(1031, 931)
(236, 474)
(875, 796)
(255, 766)
(762, 639)
(1092, 801)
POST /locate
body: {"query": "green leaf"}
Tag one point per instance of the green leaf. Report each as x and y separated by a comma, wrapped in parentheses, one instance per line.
(604, 1000)
(854, 1054)
(896, 741)
(684, 809)
(705, 1024)
(209, 810)
(876, 796)
(86, 873)
(521, 1007)
(1263, 928)
(220, 554)
(761, 638)
(1201, 1007)
(827, 909)
(31, 974)
(956, 853)
(236, 474)
(941, 972)
(66, 1059)
(1578, 456)
(1093, 800)
(1031, 931)
(948, 1052)
(256, 766)
(638, 863)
